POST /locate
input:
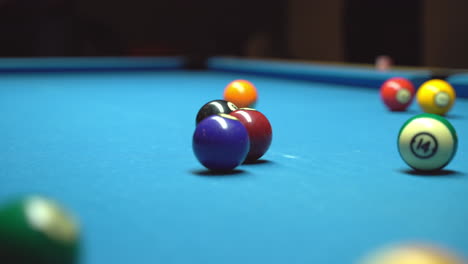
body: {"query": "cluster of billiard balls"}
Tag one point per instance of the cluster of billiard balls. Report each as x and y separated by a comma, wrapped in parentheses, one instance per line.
(428, 141)
(38, 230)
(228, 132)
(434, 96)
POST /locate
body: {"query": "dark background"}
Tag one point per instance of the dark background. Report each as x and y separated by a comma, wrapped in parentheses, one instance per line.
(429, 33)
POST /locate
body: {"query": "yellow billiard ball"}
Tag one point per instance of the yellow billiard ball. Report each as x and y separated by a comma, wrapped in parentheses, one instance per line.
(412, 254)
(436, 97)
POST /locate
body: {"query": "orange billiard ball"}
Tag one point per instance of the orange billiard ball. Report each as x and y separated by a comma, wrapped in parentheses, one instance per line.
(242, 93)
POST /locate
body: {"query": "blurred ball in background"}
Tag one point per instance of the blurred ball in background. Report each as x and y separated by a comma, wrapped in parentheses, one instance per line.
(383, 63)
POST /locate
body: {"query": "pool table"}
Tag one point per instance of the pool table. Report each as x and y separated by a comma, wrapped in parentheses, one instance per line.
(111, 139)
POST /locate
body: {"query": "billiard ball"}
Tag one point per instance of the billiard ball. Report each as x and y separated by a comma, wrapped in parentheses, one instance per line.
(414, 253)
(436, 96)
(259, 129)
(36, 229)
(383, 63)
(397, 93)
(427, 142)
(220, 142)
(215, 107)
(242, 93)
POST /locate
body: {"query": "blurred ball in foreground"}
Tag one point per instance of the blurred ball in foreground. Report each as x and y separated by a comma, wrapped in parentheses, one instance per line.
(36, 229)
(412, 254)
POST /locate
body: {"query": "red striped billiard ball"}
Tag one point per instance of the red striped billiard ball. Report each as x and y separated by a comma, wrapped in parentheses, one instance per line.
(397, 93)
(220, 142)
(259, 129)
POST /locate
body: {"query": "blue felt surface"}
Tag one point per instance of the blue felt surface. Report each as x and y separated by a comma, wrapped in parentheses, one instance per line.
(365, 77)
(459, 83)
(116, 149)
(81, 64)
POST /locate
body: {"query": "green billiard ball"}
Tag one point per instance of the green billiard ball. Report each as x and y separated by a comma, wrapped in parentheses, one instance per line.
(427, 142)
(37, 230)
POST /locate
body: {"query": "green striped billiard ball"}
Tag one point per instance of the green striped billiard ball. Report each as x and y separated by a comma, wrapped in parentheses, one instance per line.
(37, 230)
(427, 142)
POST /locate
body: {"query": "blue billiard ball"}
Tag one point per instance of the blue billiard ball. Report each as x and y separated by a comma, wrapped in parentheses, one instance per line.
(221, 142)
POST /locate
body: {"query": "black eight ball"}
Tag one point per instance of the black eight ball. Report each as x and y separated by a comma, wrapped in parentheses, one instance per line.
(215, 107)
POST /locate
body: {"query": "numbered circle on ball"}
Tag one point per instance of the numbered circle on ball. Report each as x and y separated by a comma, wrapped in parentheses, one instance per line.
(232, 106)
(424, 145)
(442, 99)
(403, 96)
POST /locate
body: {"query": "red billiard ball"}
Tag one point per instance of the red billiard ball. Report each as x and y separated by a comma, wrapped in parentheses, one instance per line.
(220, 142)
(259, 129)
(397, 93)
